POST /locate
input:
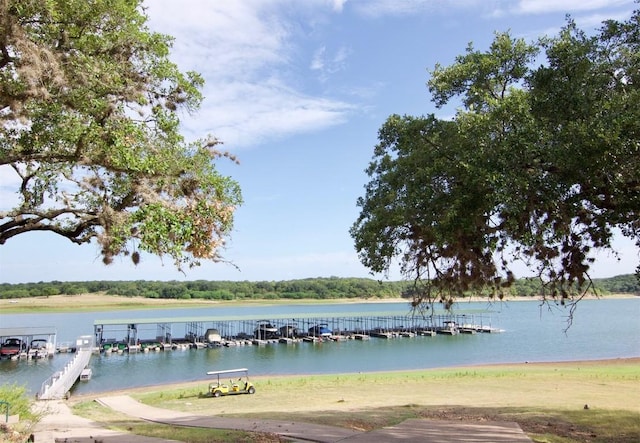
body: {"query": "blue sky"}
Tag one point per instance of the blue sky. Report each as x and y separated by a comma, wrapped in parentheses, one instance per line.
(297, 90)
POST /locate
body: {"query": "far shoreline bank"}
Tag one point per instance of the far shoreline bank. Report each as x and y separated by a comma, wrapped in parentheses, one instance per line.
(103, 302)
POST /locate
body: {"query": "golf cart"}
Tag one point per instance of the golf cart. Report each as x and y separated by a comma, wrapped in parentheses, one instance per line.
(238, 383)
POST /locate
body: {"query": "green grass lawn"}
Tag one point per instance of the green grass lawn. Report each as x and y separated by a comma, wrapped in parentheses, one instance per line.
(569, 402)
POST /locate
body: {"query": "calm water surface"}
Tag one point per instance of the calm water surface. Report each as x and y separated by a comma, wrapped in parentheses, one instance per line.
(601, 329)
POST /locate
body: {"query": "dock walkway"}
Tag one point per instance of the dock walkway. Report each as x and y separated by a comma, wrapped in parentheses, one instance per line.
(57, 386)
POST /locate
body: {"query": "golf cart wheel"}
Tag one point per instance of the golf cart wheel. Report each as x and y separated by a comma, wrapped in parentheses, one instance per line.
(252, 390)
(216, 394)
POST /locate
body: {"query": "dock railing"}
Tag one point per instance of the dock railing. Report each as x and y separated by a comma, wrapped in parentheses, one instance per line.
(58, 385)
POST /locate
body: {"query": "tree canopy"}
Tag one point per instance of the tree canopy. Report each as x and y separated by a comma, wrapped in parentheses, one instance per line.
(90, 128)
(541, 163)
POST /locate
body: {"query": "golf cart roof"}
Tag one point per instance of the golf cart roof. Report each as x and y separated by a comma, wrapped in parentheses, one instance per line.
(227, 371)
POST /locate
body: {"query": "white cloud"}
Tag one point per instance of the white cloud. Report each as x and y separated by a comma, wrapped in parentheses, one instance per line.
(244, 114)
(244, 52)
(385, 8)
(226, 38)
(338, 5)
(247, 51)
(326, 65)
(596, 20)
(545, 6)
(341, 55)
(317, 62)
(484, 8)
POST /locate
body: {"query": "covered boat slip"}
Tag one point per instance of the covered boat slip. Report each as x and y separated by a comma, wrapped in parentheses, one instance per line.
(135, 332)
(36, 342)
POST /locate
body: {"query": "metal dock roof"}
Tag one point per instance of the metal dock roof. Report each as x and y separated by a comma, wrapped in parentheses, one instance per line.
(255, 317)
(27, 331)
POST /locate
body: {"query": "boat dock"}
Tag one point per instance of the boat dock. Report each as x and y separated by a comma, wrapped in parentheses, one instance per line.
(145, 334)
(59, 384)
(28, 342)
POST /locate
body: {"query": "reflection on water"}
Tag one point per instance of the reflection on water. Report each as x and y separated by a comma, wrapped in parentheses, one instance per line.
(531, 334)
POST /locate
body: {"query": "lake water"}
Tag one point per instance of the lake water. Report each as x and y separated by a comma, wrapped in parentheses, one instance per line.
(601, 329)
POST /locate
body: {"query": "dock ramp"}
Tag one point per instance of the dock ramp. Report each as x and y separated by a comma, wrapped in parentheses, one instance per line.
(58, 385)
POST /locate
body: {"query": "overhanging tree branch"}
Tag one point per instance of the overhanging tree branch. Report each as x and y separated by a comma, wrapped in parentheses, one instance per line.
(73, 75)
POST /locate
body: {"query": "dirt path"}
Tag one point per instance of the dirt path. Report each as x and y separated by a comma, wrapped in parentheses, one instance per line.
(60, 424)
(410, 430)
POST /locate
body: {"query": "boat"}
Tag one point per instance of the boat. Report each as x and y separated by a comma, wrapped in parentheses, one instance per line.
(448, 327)
(265, 331)
(86, 374)
(289, 330)
(381, 333)
(39, 348)
(66, 347)
(361, 336)
(489, 330)
(109, 347)
(311, 339)
(12, 348)
(320, 330)
(147, 346)
(213, 337)
(286, 340)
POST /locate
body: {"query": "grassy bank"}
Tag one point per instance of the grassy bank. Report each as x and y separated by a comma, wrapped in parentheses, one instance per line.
(596, 401)
(103, 302)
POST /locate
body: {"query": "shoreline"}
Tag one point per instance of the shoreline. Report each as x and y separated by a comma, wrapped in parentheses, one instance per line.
(103, 302)
(76, 398)
(541, 398)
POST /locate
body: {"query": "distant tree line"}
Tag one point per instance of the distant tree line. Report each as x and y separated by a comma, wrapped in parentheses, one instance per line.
(621, 284)
(312, 288)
